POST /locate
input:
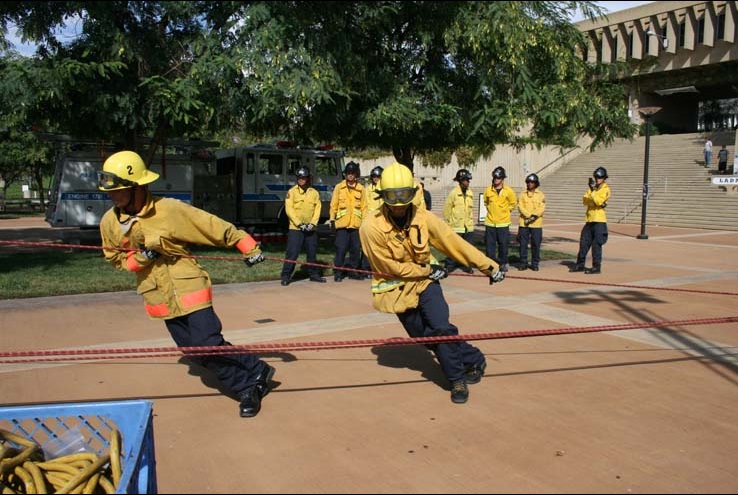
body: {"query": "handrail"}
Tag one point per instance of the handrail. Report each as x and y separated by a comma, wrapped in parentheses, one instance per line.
(635, 202)
(560, 157)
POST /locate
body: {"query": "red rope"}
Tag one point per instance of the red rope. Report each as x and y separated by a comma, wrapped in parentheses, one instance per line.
(368, 272)
(16, 357)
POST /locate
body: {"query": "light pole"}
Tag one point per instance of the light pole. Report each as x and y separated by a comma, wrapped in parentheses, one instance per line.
(647, 113)
(664, 39)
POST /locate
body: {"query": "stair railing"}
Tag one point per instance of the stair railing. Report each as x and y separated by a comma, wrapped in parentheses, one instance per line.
(636, 202)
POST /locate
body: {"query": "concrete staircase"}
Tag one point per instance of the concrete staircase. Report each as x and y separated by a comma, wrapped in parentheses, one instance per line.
(681, 191)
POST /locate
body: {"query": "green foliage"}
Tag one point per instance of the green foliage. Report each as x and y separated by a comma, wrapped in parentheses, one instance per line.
(416, 77)
(26, 272)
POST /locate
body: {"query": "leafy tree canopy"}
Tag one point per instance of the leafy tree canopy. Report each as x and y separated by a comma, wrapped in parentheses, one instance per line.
(412, 76)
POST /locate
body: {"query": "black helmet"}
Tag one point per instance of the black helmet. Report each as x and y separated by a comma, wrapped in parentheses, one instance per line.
(600, 173)
(499, 173)
(303, 173)
(376, 172)
(463, 174)
(352, 168)
(533, 178)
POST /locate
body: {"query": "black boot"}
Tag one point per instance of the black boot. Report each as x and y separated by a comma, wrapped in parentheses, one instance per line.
(594, 270)
(251, 399)
(577, 268)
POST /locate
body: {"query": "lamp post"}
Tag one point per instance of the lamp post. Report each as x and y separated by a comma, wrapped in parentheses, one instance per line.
(664, 39)
(647, 113)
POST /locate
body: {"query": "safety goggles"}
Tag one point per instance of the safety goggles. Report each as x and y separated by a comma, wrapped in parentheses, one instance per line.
(108, 182)
(398, 196)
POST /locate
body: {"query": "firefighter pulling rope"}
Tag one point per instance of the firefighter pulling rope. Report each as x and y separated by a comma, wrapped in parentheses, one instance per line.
(369, 272)
(150, 236)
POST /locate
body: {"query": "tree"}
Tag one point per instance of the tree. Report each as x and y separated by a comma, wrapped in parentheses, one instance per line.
(131, 70)
(411, 76)
(425, 76)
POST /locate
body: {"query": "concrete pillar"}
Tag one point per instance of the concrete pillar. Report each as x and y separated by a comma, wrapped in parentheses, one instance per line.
(710, 24)
(690, 35)
(731, 17)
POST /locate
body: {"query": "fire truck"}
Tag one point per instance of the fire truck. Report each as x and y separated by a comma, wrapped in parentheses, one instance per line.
(245, 185)
(261, 175)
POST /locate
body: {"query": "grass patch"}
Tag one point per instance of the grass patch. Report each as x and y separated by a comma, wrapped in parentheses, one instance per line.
(53, 272)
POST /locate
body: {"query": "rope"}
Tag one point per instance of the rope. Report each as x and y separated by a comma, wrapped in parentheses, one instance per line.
(369, 272)
(17, 357)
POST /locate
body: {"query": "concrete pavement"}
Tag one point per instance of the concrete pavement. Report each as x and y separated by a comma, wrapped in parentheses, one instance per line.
(637, 411)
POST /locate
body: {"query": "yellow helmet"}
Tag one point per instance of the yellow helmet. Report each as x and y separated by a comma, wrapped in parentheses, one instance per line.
(397, 185)
(123, 170)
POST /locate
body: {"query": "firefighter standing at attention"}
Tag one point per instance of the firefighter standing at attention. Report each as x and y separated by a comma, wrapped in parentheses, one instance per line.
(458, 213)
(348, 205)
(531, 205)
(150, 236)
(500, 201)
(302, 206)
(398, 239)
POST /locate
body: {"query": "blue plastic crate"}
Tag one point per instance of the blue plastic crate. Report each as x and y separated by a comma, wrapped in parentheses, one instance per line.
(45, 424)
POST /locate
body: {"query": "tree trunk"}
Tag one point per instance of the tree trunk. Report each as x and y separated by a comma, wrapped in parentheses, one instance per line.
(404, 156)
(38, 177)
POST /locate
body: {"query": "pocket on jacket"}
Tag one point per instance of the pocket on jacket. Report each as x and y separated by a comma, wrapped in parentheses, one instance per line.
(145, 285)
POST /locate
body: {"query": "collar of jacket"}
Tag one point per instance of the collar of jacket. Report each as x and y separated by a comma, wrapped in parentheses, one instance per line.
(148, 208)
(387, 226)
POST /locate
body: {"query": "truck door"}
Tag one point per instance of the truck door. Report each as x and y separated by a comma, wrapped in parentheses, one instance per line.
(78, 202)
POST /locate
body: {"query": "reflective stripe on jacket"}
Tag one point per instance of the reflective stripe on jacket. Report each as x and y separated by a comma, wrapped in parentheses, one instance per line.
(401, 258)
(458, 210)
(302, 206)
(596, 201)
(348, 205)
(171, 285)
(531, 203)
(499, 206)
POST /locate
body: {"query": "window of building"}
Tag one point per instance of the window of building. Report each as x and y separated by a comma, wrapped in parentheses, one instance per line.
(682, 34)
(701, 30)
(720, 31)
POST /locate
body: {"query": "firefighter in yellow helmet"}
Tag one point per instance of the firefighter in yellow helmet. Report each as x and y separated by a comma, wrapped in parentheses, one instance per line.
(150, 236)
(397, 238)
(458, 213)
(347, 210)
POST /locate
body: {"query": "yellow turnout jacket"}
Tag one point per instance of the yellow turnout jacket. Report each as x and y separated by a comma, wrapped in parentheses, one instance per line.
(458, 210)
(595, 201)
(499, 206)
(171, 285)
(302, 206)
(401, 258)
(348, 205)
(531, 203)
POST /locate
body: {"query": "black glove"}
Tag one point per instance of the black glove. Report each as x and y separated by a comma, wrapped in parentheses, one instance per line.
(437, 272)
(253, 257)
(530, 220)
(333, 225)
(592, 183)
(150, 254)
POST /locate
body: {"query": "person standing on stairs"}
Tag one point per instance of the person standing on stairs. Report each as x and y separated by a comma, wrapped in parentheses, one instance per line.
(594, 232)
(722, 160)
(708, 152)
